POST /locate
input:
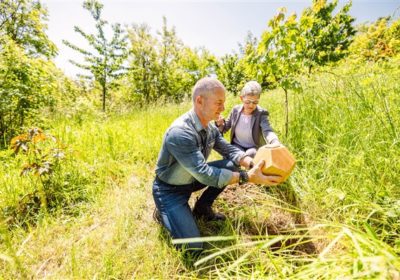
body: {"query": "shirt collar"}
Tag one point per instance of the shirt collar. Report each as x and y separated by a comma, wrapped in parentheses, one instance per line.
(196, 122)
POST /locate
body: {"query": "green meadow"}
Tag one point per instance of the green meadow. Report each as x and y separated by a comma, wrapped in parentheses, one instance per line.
(337, 217)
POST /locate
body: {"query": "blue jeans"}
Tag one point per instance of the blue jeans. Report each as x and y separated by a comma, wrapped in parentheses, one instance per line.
(172, 202)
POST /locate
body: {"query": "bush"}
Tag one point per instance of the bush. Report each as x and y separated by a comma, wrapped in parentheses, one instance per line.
(28, 87)
(56, 183)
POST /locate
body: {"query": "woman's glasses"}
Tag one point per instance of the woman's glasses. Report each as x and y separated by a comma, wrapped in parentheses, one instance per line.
(247, 102)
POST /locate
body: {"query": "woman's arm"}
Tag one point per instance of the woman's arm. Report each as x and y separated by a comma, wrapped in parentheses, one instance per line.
(267, 131)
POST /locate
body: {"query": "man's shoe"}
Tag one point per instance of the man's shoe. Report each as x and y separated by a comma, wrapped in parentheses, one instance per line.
(157, 216)
(206, 213)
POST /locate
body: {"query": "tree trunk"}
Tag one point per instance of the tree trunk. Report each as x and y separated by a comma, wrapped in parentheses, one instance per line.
(104, 97)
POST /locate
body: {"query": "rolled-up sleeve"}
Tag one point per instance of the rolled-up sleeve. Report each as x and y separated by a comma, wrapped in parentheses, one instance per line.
(182, 145)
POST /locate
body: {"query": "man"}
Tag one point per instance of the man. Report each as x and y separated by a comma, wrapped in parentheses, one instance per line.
(182, 167)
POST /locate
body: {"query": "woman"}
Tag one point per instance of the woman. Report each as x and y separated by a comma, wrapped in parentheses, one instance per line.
(248, 122)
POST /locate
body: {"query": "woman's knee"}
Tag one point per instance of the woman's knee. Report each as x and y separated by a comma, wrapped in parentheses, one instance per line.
(251, 152)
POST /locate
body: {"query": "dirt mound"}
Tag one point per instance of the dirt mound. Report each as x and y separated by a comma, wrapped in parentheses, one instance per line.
(256, 210)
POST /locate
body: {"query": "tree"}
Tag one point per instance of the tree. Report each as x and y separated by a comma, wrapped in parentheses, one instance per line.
(28, 85)
(24, 22)
(280, 58)
(106, 62)
(143, 62)
(231, 73)
(325, 37)
(169, 54)
(317, 39)
(251, 62)
(162, 66)
(378, 40)
(237, 68)
(194, 64)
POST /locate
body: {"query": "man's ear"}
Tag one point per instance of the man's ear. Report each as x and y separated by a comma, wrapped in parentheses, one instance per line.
(199, 100)
(241, 98)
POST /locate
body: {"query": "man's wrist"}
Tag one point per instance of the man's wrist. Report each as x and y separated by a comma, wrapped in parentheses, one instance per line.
(251, 164)
(243, 177)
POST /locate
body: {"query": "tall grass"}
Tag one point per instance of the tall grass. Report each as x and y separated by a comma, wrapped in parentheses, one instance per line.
(337, 217)
(344, 131)
(109, 153)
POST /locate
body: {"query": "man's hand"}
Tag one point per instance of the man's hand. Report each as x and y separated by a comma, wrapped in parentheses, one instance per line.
(257, 177)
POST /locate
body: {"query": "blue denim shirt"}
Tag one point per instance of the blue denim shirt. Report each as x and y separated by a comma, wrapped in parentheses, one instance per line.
(184, 153)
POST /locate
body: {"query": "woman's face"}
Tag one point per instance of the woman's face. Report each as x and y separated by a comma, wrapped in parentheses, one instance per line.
(249, 103)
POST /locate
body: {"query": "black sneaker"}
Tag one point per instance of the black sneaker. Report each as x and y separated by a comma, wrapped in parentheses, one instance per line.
(157, 216)
(206, 213)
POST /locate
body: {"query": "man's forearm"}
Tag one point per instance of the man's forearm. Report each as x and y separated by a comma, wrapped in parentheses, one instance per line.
(234, 179)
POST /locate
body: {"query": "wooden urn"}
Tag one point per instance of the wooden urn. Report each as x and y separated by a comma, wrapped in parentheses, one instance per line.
(278, 161)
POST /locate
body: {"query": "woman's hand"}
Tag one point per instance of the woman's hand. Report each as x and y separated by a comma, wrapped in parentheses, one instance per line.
(220, 121)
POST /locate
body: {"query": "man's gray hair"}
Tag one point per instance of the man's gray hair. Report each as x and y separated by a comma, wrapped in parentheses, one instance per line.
(251, 88)
(206, 86)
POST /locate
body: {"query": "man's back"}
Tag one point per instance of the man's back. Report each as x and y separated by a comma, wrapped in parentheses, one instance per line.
(185, 149)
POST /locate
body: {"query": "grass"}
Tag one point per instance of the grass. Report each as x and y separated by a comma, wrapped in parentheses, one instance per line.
(337, 217)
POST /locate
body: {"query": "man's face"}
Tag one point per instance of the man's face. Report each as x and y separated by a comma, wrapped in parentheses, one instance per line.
(213, 105)
(249, 103)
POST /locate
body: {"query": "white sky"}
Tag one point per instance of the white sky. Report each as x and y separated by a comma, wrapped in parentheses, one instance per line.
(217, 25)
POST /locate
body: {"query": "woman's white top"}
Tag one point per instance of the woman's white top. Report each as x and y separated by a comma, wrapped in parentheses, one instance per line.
(243, 132)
